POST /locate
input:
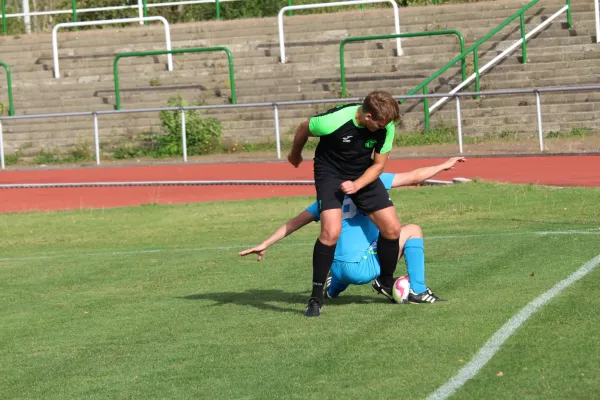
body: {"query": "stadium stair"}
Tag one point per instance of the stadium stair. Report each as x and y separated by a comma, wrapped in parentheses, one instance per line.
(557, 56)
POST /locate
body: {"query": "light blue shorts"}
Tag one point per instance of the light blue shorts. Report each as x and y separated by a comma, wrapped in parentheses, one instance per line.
(354, 273)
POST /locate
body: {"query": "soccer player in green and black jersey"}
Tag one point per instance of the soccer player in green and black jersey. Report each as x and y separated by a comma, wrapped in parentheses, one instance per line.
(355, 141)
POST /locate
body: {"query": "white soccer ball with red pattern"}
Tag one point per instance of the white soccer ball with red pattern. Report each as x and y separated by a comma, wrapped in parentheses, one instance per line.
(401, 289)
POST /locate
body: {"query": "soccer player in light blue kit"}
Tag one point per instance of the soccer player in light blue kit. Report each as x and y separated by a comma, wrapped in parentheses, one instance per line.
(356, 261)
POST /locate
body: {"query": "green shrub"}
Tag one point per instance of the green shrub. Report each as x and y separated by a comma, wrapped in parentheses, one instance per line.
(81, 151)
(46, 157)
(575, 132)
(124, 151)
(202, 134)
(437, 135)
(12, 158)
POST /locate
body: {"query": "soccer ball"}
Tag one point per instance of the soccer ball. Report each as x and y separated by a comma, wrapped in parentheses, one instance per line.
(401, 289)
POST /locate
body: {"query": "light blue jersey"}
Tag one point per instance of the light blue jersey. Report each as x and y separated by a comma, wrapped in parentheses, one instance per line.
(358, 231)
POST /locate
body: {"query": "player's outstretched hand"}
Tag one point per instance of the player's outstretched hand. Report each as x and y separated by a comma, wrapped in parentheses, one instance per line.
(260, 250)
(450, 163)
(295, 159)
(349, 187)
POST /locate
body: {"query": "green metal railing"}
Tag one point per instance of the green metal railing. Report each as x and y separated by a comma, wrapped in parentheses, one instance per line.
(11, 109)
(4, 26)
(396, 36)
(179, 51)
(474, 49)
(145, 11)
(74, 13)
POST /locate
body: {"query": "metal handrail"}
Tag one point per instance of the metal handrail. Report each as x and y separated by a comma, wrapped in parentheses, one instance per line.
(401, 35)
(11, 109)
(74, 12)
(4, 26)
(334, 4)
(106, 22)
(95, 114)
(170, 52)
(474, 48)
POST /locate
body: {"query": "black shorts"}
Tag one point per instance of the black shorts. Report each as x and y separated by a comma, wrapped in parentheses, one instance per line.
(373, 197)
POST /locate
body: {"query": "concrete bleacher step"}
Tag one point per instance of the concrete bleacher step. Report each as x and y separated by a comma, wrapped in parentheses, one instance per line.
(557, 57)
(70, 48)
(447, 14)
(223, 77)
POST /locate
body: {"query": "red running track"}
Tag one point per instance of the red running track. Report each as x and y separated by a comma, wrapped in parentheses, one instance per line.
(547, 170)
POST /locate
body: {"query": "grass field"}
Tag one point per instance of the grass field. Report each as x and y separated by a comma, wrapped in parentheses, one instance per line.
(153, 302)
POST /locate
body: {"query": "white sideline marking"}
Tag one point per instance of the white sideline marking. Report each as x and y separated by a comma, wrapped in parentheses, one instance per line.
(491, 347)
(121, 253)
(569, 233)
(591, 231)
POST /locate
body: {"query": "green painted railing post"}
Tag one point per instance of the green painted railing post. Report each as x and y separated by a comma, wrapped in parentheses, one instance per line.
(476, 68)
(178, 51)
(4, 26)
(145, 10)
(218, 10)
(569, 17)
(395, 36)
(426, 107)
(116, 81)
(342, 69)
(11, 109)
(231, 75)
(524, 44)
(74, 8)
(290, 11)
(463, 62)
(435, 2)
(362, 6)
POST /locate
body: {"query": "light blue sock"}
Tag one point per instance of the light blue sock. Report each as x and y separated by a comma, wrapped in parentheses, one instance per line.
(414, 256)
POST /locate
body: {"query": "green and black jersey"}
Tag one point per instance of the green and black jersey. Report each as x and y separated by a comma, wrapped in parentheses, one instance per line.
(345, 146)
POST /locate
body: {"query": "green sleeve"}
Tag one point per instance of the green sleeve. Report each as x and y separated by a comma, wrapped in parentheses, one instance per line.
(390, 130)
(329, 122)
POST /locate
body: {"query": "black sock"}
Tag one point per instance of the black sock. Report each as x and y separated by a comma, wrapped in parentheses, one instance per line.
(322, 260)
(388, 251)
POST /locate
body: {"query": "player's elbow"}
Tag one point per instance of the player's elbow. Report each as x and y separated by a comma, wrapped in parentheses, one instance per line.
(303, 130)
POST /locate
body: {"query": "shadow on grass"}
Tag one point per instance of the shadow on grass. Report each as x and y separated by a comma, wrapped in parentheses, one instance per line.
(271, 299)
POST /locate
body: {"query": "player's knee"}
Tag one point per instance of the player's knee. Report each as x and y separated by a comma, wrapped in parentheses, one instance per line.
(391, 230)
(329, 235)
(412, 231)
